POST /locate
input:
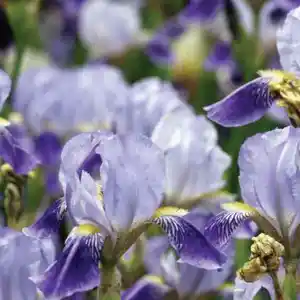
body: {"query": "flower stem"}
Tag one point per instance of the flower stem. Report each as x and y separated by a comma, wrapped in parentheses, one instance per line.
(277, 288)
(289, 287)
(110, 288)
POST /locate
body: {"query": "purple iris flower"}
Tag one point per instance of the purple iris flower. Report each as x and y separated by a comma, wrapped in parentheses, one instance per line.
(251, 101)
(269, 175)
(22, 257)
(124, 195)
(70, 100)
(166, 275)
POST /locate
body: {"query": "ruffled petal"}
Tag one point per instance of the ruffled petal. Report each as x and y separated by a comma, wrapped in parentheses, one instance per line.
(75, 270)
(190, 244)
(132, 175)
(148, 288)
(49, 222)
(245, 105)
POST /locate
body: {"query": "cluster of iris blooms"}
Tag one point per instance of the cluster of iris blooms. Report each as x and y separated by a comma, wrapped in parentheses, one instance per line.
(133, 202)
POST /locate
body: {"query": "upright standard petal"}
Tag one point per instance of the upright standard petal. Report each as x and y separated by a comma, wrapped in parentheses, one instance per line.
(190, 145)
(132, 177)
(151, 99)
(247, 104)
(76, 152)
(76, 268)
(269, 174)
(22, 257)
(148, 288)
(190, 244)
(288, 42)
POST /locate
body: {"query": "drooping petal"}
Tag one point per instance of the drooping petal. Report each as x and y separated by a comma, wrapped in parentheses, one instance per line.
(75, 270)
(288, 42)
(17, 152)
(22, 257)
(247, 291)
(5, 86)
(219, 229)
(49, 222)
(196, 281)
(190, 244)
(245, 105)
(132, 175)
(148, 288)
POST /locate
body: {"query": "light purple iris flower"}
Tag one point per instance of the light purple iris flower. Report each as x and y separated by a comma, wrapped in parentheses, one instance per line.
(131, 177)
(251, 101)
(269, 176)
(182, 279)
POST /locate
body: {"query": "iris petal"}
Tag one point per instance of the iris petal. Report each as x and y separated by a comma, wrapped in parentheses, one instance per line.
(75, 270)
(49, 222)
(220, 228)
(190, 244)
(245, 105)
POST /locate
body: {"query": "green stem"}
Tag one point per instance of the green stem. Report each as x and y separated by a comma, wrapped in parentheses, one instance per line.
(289, 285)
(110, 288)
(277, 288)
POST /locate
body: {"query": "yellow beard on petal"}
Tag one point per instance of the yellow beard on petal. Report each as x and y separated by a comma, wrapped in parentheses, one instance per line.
(86, 229)
(170, 211)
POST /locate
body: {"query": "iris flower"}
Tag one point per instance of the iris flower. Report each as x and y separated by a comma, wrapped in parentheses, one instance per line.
(116, 204)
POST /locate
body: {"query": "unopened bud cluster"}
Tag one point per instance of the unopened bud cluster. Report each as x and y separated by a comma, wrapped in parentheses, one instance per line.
(264, 258)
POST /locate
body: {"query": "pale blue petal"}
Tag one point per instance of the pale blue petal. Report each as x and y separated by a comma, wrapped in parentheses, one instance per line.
(132, 175)
(288, 42)
(269, 173)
